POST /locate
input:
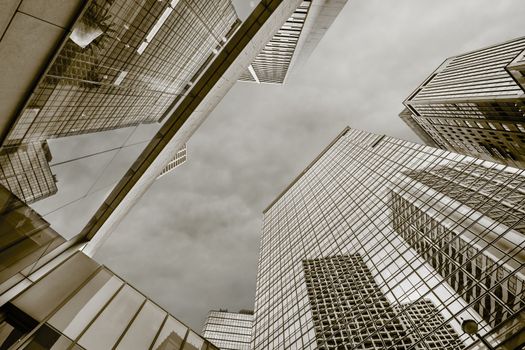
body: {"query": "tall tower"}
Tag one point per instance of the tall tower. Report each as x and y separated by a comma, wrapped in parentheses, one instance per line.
(474, 104)
(336, 223)
(294, 42)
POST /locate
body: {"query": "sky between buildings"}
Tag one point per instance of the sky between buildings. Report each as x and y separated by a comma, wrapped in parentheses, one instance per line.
(192, 242)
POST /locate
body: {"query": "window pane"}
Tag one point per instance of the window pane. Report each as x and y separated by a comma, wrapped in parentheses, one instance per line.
(144, 328)
(194, 342)
(46, 294)
(108, 327)
(75, 315)
(171, 336)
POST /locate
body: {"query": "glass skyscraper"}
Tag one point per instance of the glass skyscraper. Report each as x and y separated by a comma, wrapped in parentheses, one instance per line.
(229, 330)
(53, 295)
(385, 244)
(124, 64)
(474, 104)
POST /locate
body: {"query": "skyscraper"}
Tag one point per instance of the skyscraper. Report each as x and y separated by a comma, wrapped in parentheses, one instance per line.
(52, 294)
(124, 65)
(470, 191)
(336, 222)
(294, 42)
(337, 288)
(474, 104)
(229, 330)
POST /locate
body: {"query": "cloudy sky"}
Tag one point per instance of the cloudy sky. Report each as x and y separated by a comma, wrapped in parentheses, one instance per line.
(192, 242)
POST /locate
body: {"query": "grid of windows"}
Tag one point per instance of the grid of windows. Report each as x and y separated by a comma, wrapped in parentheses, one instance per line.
(180, 158)
(408, 118)
(229, 330)
(423, 319)
(124, 64)
(272, 63)
(474, 104)
(25, 171)
(342, 205)
(350, 311)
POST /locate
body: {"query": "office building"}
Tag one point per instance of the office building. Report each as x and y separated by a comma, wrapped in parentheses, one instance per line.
(124, 65)
(121, 66)
(52, 293)
(337, 222)
(474, 104)
(294, 42)
(423, 318)
(180, 157)
(25, 171)
(229, 330)
(473, 191)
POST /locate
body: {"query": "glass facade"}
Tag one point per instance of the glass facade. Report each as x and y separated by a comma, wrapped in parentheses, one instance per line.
(52, 296)
(229, 330)
(26, 171)
(82, 305)
(103, 98)
(473, 104)
(124, 64)
(385, 244)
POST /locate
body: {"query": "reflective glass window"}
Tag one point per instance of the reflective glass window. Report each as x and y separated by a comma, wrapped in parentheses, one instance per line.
(76, 314)
(144, 328)
(104, 332)
(47, 293)
(173, 332)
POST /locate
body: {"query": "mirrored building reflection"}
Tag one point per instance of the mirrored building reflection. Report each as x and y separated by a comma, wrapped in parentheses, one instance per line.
(385, 244)
(123, 64)
(229, 330)
(129, 85)
(474, 104)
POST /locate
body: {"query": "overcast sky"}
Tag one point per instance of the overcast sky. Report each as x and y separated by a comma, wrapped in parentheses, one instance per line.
(192, 242)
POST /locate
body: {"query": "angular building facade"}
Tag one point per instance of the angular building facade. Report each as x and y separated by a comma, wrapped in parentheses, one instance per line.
(343, 266)
(124, 65)
(294, 42)
(52, 294)
(337, 288)
(474, 104)
(55, 297)
(229, 330)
